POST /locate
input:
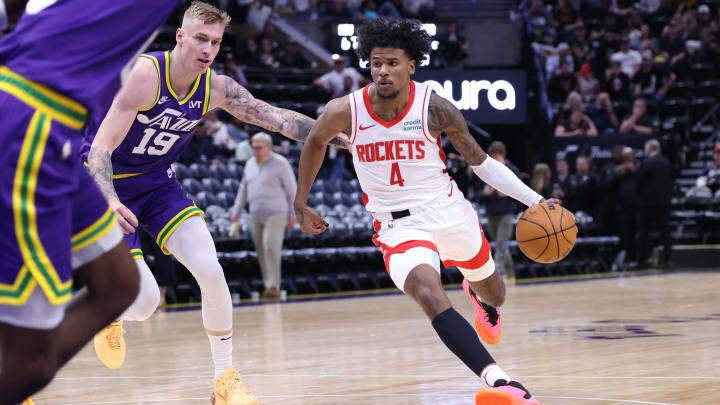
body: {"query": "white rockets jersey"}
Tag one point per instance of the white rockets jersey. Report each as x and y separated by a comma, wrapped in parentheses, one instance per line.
(398, 163)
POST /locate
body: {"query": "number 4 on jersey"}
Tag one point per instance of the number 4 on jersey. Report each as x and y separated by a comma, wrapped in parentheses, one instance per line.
(396, 176)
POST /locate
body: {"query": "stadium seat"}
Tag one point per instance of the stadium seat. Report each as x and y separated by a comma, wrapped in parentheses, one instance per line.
(682, 89)
(621, 108)
(192, 186)
(213, 185)
(181, 171)
(346, 187)
(236, 171)
(673, 108)
(205, 199)
(225, 199)
(231, 185)
(220, 172)
(331, 187)
(699, 107)
(702, 71)
(199, 170)
(708, 88)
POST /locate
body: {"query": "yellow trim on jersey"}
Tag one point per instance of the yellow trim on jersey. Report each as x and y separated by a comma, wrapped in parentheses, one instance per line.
(206, 106)
(115, 176)
(157, 68)
(18, 293)
(25, 213)
(97, 230)
(54, 105)
(193, 87)
(172, 224)
(137, 254)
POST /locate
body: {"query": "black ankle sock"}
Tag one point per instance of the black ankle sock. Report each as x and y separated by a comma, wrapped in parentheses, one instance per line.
(461, 339)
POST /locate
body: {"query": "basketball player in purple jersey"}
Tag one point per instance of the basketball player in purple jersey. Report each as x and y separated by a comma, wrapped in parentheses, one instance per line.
(149, 125)
(60, 58)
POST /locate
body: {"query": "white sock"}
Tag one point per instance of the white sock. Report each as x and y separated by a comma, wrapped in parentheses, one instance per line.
(492, 373)
(221, 348)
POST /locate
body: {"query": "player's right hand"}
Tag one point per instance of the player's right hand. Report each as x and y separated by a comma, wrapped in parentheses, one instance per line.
(309, 220)
(127, 220)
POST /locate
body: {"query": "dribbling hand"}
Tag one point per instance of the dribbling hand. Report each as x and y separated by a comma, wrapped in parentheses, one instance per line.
(127, 220)
(309, 220)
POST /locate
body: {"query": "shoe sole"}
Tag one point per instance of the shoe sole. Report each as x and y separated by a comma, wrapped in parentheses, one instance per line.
(489, 338)
(495, 397)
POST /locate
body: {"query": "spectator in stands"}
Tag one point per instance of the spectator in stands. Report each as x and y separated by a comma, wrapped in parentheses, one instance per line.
(453, 47)
(368, 10)
(627, 204)
(238, 10)
(565, 16)
(638, 122)
(423, 10)
(562, 82)
(579, 125)
(617, 83)
(337, 10)
(258, 14)
(266, 58)
(218, 131)
(607, 186)
(268, 186)
(334, 81)
(588, 85)
(270, 34)
(391, 8)
(580, 45)
(541, 179)
(580, 187)
(654, 185)
(702, 21)
(652, 80)
(541, 20)
(629, 58)
(501, 211)
(200, 147)
(293, 58)
(711, 177)
(234, 71)
(300, 8)
(574, 102)
(553, 62)
(562, 170)
(603, 115)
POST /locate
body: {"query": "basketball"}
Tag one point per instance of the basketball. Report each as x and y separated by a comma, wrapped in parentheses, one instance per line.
(546, 235)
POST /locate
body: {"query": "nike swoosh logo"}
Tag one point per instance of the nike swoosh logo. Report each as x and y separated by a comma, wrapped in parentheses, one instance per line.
(362, 128)
(226, 338)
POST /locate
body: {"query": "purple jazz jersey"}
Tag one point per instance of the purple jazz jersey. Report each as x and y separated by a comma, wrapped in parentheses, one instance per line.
(79, 47)
(63, 59)
(160, 134)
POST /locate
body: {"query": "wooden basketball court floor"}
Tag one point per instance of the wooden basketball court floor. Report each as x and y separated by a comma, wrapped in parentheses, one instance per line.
(650, 339)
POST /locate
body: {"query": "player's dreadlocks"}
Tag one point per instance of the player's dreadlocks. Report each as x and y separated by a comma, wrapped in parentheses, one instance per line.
(382, 32)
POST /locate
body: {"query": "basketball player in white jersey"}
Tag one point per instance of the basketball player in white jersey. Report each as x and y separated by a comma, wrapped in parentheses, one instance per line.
(421, 218)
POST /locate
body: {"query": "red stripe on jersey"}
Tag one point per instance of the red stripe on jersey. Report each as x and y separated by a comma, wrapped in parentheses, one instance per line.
(388, 124)
(423, 116)
(355, 131)
(476, 262)
(388, 251)
(442, 154)
(364, 198)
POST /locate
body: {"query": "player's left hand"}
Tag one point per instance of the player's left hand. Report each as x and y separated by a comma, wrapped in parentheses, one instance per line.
(309, 220)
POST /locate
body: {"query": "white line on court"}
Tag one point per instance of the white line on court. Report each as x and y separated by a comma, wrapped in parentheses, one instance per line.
(629, 401)
(423, 376)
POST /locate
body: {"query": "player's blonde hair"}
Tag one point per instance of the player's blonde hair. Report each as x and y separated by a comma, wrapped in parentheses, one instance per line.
(206, 13)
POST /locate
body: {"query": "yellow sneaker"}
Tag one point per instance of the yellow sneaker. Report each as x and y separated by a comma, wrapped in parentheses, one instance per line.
(229, 390)
(110, 345)
(28, 401)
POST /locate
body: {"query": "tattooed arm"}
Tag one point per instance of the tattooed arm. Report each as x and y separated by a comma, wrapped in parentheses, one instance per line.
(443, 116)
(138, 92)
(235, 99)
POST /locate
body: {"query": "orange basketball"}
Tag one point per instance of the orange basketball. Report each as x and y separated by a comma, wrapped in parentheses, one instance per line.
(548, 234)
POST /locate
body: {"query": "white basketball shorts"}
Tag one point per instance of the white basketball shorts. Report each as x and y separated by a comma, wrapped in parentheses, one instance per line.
(447, 229)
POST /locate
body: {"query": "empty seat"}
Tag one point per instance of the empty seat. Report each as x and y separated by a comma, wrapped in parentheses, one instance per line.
(192, 186)
(708, 88)
(673, 108)
(702, 71)
(213, 185)
(181, 171)
(683, 89)
(225, 199)
(231, 185)
(220, 172)
(204, 199)
(699, 107)
(199, 170)
(236, 171)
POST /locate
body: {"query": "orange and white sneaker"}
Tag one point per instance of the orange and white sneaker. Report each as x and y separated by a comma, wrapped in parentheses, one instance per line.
(505, 393)
(229, 390)
(110, 345)
(488, 323)
(28, 401)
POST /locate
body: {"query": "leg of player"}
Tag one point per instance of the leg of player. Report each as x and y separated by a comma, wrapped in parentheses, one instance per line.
(422, 283)
(110, 343)
(193, 246)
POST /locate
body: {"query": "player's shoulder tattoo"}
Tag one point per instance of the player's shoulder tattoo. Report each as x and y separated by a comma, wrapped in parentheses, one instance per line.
(443, 116)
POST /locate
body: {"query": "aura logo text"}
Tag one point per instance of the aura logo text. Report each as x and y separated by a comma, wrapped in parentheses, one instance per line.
(470, 93)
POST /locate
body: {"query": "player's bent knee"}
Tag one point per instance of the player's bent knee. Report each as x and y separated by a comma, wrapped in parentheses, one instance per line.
(148, 299)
